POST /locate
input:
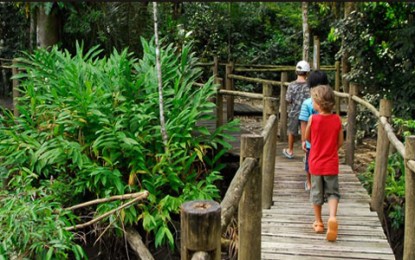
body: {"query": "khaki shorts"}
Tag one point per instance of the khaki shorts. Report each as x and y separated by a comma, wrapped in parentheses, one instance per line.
(324, 186)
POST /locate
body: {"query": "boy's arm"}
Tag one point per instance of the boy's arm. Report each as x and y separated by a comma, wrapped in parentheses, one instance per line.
(340, 138)
(303, 117)
(308, 129)
(303, 130)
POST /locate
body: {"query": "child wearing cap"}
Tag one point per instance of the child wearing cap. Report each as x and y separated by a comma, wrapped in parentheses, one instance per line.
(297, 92)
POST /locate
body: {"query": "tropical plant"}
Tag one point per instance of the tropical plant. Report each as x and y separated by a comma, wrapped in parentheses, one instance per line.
(381, 59)
(91, 124)
(394, 188)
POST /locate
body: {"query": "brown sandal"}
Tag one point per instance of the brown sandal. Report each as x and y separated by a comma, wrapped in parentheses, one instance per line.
(332, 230)
(318, 227)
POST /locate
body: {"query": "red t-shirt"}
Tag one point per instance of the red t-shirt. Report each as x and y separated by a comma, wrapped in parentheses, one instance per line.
(324, 158)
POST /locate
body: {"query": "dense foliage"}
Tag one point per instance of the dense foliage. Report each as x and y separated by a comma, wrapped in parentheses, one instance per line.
(89, 128)
(379, 38)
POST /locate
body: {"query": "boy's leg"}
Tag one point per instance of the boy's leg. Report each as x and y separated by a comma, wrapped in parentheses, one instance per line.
(317, 213)
(292, 130)
(333, 203)
(308, 180)
(291, 140)
(332, 191)
(316, 197)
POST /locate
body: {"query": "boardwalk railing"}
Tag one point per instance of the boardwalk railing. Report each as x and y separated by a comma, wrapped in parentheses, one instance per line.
(385, 137)
(203, 222)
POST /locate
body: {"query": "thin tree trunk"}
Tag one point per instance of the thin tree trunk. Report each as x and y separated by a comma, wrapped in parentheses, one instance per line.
(229, 31)
(32, 32)
(160, 83)
(348, 8)
(306, 33)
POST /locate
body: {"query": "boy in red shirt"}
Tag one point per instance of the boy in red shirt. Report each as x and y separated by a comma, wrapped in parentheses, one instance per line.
(324, 132)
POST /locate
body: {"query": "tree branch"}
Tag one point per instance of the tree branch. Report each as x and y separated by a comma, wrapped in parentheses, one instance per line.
(105, 214)
(142, 195)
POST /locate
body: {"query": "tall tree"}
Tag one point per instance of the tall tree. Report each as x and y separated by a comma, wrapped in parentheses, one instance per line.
(348, 8)
(160, 83)
(306, 32)
(47, 25)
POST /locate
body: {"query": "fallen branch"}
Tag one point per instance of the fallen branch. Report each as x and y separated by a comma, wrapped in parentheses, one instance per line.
(136, 243)
(142, 195)
(106, 214)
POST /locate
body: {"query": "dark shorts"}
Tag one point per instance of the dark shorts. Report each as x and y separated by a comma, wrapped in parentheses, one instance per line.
(293, 125)
(324, 186)
(307, 153)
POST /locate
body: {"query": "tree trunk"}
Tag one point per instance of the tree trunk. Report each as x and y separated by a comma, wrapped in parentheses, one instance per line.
(306, 33)
(159, 77)
(47, 28)
(32, 32)
(348, 8)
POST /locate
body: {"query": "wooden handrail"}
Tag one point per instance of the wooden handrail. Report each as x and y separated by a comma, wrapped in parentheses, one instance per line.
(392, 137)
(341, 94)
(271, 82)
(388, 128)
(268, 127)
(233, 194)
(366, 104)
(411, 165)
(241, 94)
(271, 68)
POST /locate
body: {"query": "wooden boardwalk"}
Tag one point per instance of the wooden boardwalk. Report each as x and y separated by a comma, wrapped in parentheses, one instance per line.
(287, 231)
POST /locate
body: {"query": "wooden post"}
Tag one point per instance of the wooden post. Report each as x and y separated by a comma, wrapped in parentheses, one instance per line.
(15, 90)
(337, 86)
(381, 166)
(215, 67)
(200, 229)
(283, 108)
(229, 86)
(215, 75)
(250, 213)
(219, 103)
(409, 242)
(351, 125)
(316, 53)
(270, 146)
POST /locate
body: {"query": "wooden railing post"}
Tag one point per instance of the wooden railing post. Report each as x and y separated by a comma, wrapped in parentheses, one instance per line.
(409, 243)
(15, 90)
(337, 86)
(200, 229)
(219, 103)
(215, 68)
(283, 108)
(351, 125)
(270, 147)
(229, 86)
(316, 53)
(381, 166)
(250, 212)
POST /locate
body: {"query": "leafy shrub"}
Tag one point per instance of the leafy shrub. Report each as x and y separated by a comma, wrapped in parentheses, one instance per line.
(394, 188)
(92, 125)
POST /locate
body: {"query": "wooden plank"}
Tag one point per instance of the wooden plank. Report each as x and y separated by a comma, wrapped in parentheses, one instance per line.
(287, 231)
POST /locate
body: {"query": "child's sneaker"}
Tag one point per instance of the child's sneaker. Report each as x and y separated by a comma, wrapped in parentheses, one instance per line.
(332, 227)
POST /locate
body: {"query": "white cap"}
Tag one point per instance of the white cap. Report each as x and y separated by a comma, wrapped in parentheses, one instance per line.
(302, 66)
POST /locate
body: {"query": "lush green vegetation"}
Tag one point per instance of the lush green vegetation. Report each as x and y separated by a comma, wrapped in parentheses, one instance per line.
(89, 128)
(89, 115)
